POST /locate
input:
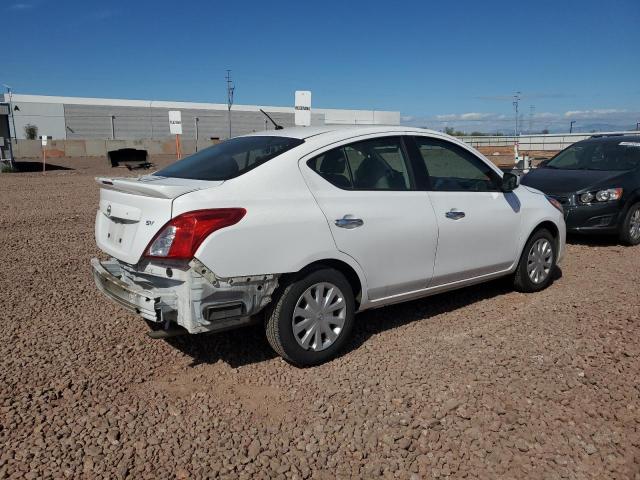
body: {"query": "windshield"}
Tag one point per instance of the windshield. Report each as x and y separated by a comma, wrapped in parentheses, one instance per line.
(229, 159)
(598, 155)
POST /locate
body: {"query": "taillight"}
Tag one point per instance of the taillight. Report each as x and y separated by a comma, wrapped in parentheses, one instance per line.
(180, 238)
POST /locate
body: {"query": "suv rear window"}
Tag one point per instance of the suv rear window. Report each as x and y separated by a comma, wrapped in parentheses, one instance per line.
(229, 159)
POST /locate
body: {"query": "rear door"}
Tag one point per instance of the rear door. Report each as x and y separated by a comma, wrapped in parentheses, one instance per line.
(367, 192)
(478, 223)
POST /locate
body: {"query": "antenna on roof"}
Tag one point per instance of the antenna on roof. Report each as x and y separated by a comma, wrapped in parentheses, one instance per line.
(277, 127)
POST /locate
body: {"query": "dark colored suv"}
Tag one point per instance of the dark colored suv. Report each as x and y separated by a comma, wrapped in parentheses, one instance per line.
(597, 181)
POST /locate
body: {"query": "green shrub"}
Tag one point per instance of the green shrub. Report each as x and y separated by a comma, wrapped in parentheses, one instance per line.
(31, 131)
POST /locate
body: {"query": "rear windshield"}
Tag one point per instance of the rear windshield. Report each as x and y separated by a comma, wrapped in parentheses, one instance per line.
(599, 155)
(229, 159)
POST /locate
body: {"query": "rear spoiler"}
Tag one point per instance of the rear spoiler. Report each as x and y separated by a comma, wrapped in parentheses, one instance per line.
(157, 187)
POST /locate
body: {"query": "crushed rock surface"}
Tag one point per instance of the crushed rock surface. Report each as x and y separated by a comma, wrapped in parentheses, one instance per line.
(479, 383)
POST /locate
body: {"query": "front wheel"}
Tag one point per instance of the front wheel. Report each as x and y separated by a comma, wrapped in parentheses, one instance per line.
(312, 318)
(630, 228)
(537, 263)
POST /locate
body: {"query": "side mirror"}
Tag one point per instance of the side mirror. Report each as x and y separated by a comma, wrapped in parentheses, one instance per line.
(509, 182)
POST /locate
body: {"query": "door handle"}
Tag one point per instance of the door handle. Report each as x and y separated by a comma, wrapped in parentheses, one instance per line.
(348, 222)
(454, 214)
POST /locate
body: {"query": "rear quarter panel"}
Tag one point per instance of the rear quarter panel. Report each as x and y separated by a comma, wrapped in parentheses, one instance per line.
(283, 230)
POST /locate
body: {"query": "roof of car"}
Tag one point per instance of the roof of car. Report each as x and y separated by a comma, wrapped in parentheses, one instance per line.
(622, 137)
(348, 130)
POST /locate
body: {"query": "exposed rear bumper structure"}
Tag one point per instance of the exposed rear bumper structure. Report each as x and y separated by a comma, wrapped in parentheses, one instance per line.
(187, 295)
(107, 277)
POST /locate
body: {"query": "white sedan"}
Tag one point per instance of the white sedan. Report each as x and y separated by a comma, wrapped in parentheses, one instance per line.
(301, 228)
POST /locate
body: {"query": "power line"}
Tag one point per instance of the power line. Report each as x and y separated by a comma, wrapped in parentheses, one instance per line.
(532, 111)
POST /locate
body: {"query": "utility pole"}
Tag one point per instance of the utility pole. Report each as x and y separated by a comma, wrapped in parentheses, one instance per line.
(571, 126)
(13, 120)
(516, 146)
(516, 106)
(230, 89)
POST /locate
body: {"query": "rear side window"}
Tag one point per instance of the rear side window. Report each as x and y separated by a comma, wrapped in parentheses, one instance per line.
(376, 164)
(454, 169)
(332, 166)
(230, 159)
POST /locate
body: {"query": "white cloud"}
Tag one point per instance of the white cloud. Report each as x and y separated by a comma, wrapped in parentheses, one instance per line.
(471, 116)
(21, 6)
(589, 114)
(547, 116)
(475, 116)
(602, 119)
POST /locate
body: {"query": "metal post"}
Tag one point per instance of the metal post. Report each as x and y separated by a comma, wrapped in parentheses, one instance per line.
(151, 119)
(571, 126)
(113, 127)
(196, 120)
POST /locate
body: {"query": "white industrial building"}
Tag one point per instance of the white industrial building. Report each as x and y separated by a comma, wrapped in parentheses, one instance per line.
(74, 118)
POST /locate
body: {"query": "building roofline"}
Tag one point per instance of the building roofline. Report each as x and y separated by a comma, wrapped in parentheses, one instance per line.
(117, 102)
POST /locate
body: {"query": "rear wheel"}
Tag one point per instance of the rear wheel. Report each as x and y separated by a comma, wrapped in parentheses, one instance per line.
(312, 318)
(630, 228)
(537, 263)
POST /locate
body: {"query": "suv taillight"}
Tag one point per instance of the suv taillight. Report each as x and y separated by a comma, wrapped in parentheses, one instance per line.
(180, 238)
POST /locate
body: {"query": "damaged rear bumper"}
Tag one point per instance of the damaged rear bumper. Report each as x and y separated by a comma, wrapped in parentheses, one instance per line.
(188, 295)
(107, 277)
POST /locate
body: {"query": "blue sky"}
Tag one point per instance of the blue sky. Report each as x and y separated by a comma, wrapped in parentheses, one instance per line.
(440, 63)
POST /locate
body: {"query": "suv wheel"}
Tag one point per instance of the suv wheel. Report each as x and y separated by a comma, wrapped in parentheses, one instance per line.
(312, 318)
(537, 263)
(630, 228)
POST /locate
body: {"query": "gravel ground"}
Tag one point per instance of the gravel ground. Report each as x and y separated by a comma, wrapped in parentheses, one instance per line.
(479, 383)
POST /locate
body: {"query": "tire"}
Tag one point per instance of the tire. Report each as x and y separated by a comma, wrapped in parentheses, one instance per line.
(542, 245)
(313, 342)
(630, 227)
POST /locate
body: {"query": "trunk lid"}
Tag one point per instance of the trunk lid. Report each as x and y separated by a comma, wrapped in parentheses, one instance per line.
(133, 210)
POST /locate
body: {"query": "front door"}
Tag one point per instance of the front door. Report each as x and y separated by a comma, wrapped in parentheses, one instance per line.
(478, 223)
(367, 192)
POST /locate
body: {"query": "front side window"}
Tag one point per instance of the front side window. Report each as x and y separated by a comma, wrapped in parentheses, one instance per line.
(230, 159)
(451, 168)
(376, 164)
